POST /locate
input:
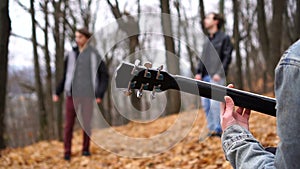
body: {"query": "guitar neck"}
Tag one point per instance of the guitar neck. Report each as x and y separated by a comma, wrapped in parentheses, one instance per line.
(134, 77)
(263, 104)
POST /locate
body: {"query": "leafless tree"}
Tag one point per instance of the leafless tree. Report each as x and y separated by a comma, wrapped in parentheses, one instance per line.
(172, 62)
(4, 40)
(270, 34)
(59, 34)
(38, 82)
(48, 78)
(202, 15)
(236, 34)
(131, 27)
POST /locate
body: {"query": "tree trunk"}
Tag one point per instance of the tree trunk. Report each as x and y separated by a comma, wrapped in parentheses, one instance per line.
(187, 46)
(221, 6)
(271, 43)
(133, 43)
(248, 69)
(239, 77)
(202, 16)
(59, 38)
(262, 27)
(221, 9)
(38, 84)
(291, 26)
(85, 10)
(179, 22)
(249, 49)
(246, 17)
(4, 40)
(108, 113)
(131, 28)
(48, 95)
(172, 62)
(263, 36)
(109, 105)
(276, 29)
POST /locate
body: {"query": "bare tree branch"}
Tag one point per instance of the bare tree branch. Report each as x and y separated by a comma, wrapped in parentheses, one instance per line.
(27, 86)
(23, 6)
(115, 9)
(95, 16)
(21, 37)
(26, 38)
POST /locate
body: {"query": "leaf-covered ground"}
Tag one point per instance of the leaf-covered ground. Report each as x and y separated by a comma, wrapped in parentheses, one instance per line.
(188, 153)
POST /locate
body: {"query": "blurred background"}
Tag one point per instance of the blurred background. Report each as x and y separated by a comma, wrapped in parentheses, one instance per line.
(32, 51)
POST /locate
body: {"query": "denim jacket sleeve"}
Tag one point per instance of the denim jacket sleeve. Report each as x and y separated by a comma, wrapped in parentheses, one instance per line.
(242, 150)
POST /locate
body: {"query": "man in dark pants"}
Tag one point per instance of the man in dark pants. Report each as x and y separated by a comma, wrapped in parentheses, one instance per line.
(213, 68)
(85, 77)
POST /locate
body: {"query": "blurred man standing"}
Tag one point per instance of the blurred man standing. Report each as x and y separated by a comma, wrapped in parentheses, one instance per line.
(213, 69)
(85, 80)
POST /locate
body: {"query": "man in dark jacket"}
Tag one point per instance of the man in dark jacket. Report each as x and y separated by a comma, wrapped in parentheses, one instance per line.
(85, 79)
(213, 67)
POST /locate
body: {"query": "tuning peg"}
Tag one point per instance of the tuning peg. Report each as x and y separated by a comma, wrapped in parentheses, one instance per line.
(153, 93)
(131, 85)
(139, 93)
(153, 96)
(128, 92)
(148, 65)
(146, 86)
(160, 67)
(136, 64)
(160, 76)
(157, 88)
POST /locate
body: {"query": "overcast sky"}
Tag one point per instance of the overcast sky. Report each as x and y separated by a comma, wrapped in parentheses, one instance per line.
(20, 51)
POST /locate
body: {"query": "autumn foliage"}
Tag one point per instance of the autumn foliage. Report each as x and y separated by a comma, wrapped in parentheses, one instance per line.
(189, 153)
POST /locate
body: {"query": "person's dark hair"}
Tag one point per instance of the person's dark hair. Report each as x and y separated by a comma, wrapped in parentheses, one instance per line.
(85, 32)
(219, 18)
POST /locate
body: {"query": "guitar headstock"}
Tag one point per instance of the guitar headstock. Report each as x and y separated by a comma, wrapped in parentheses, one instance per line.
(134, 76)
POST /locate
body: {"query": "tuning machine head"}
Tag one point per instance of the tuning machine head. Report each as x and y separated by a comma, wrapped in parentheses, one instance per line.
(155, 89)
(139, 94)
(136, 65)
(131, 85)
(148, 66)
(153, 95)
(128, 92)
(137, 62)
(140, 91)
(160, 76)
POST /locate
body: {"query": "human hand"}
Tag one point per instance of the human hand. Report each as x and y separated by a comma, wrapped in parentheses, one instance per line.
(216, 78)
(55, 98)
(98, 100)
(198, 77)
(230, 116)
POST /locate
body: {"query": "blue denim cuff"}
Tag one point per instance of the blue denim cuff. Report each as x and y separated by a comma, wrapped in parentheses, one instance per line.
(235, 134)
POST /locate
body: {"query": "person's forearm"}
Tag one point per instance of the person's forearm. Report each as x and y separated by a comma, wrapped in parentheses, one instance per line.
(60, 87)
(242, 150)
(102, 78)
